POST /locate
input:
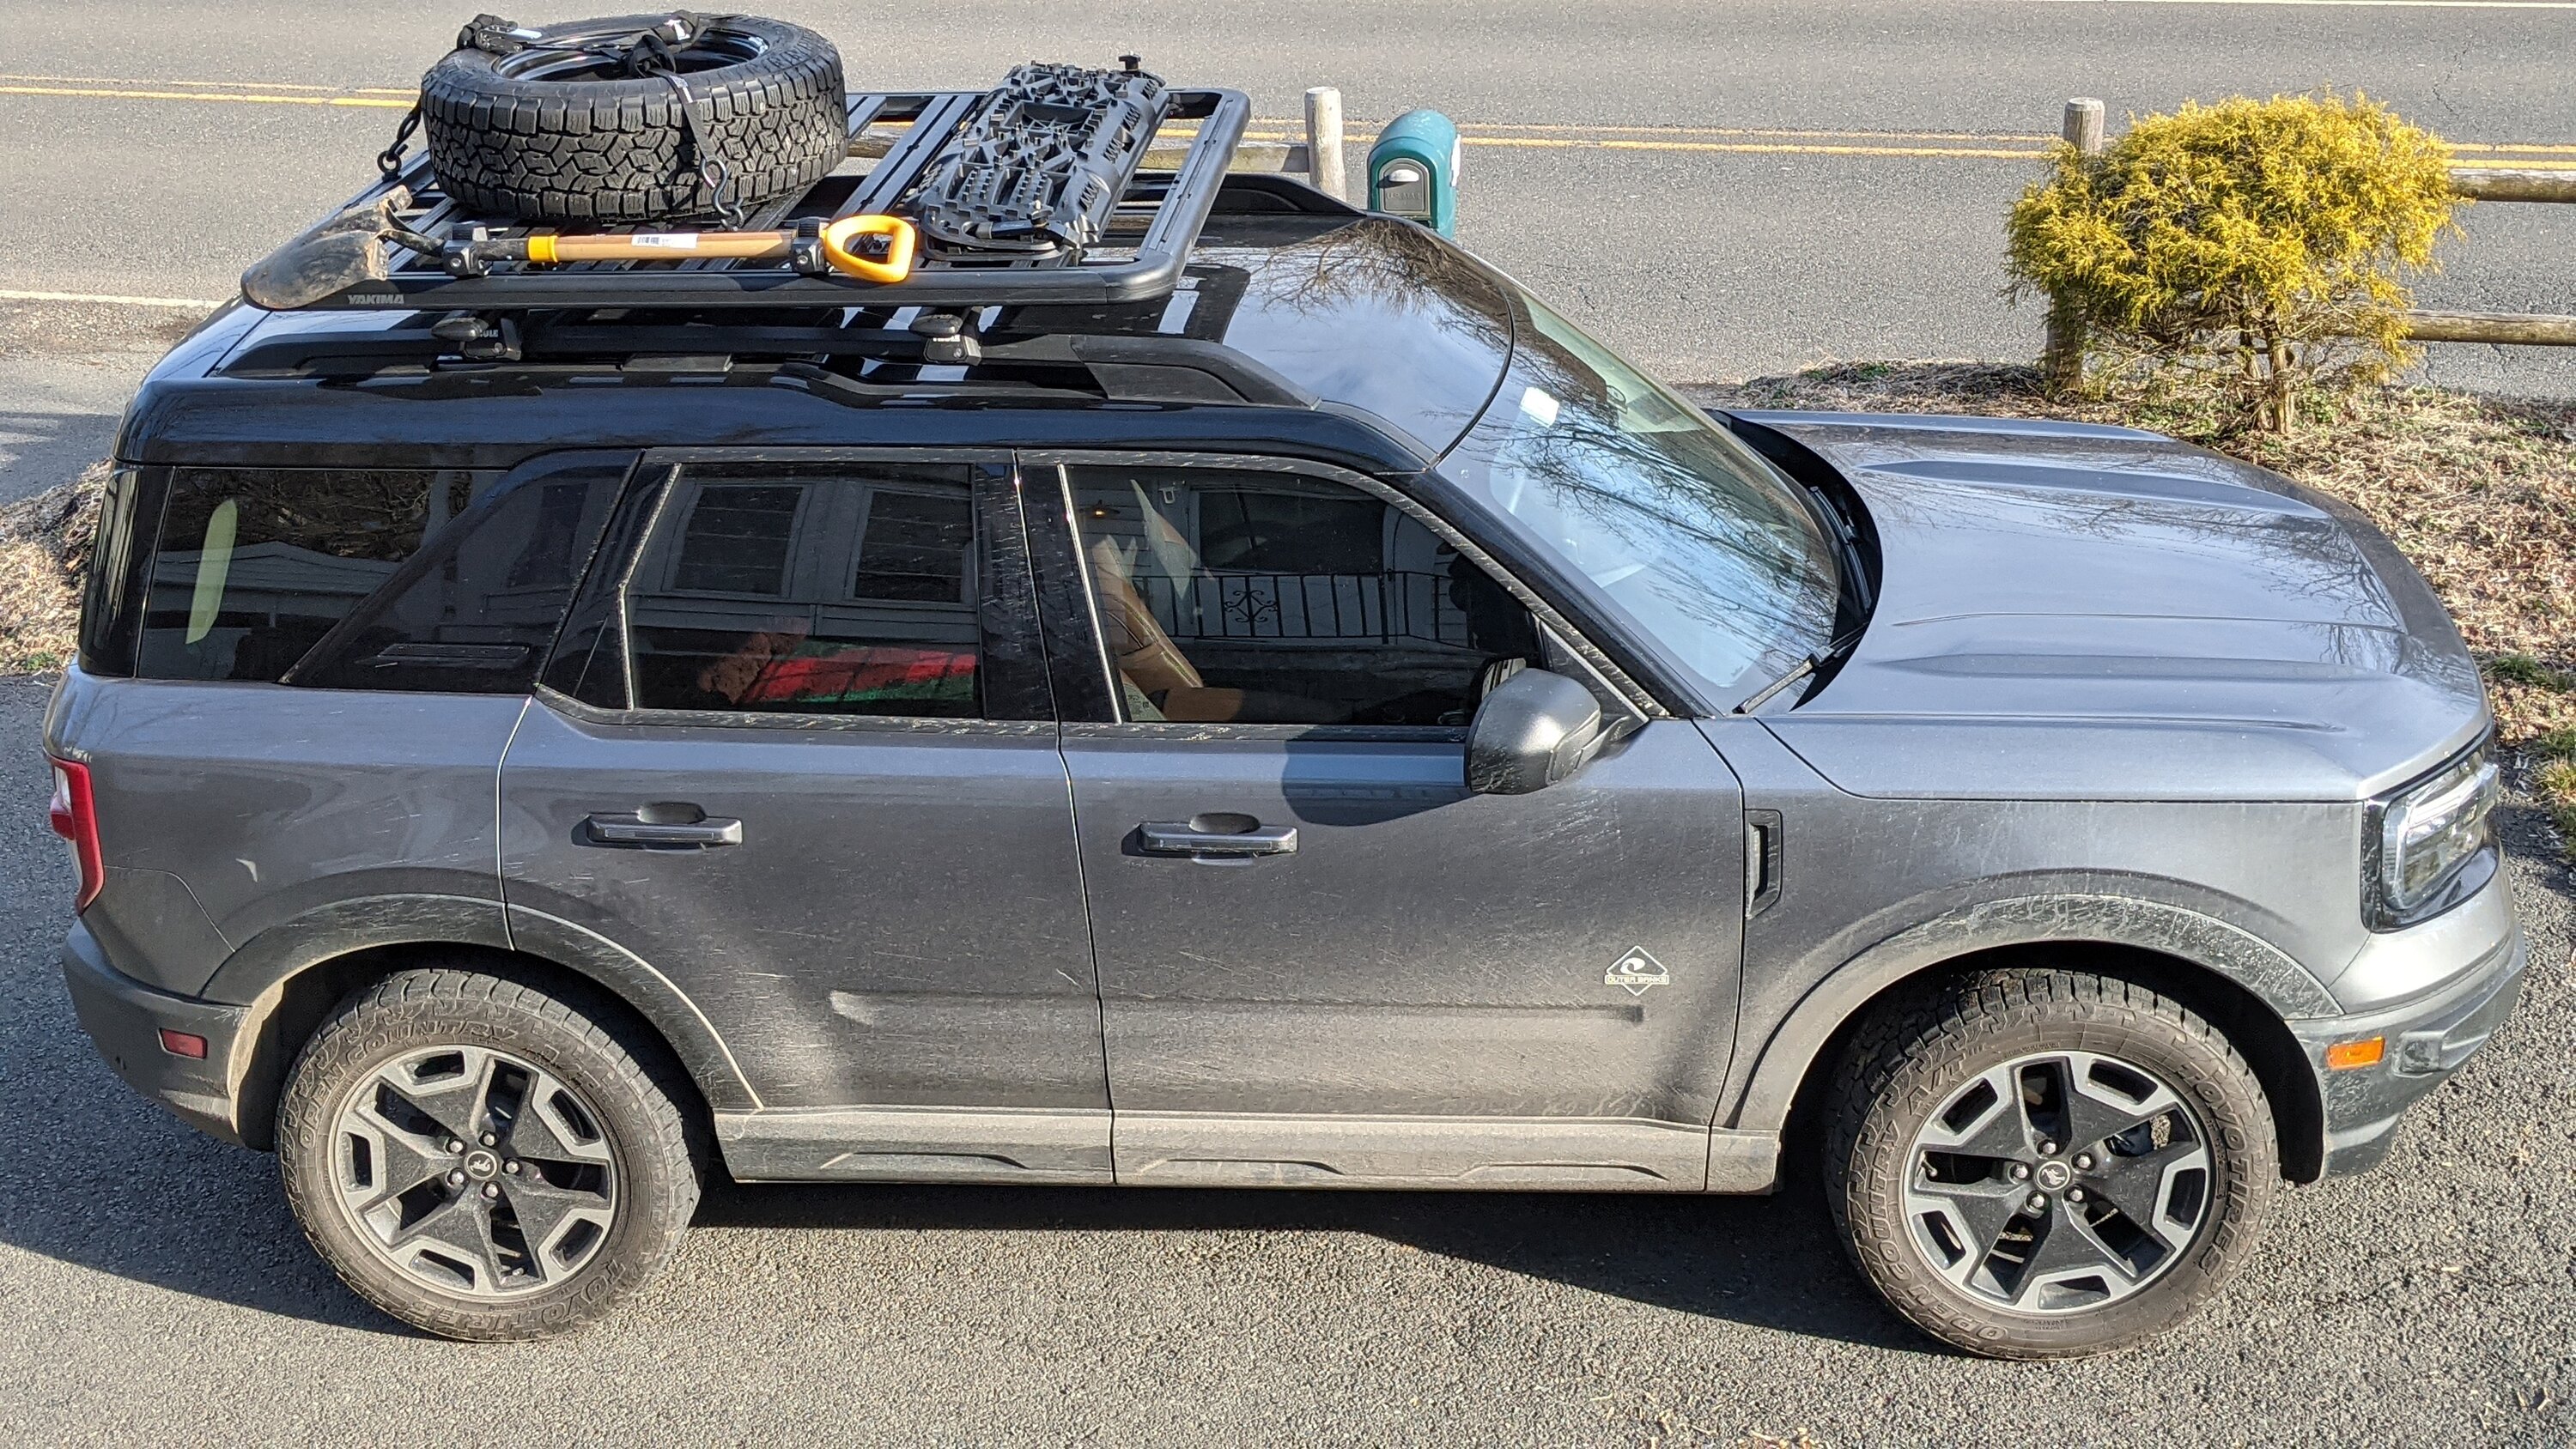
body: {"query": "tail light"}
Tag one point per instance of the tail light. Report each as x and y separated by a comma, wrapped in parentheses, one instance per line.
(75, 818)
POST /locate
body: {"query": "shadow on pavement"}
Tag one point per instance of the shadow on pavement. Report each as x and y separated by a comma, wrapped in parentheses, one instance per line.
(1770, 1262)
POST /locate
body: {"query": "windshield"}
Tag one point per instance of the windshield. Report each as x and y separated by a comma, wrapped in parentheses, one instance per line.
(1673, 525)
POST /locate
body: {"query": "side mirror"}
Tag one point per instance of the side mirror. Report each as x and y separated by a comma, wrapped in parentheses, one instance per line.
(1534, 730)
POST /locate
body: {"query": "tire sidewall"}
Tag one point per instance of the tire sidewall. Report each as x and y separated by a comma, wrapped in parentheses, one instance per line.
(655, 1187)
(1877, 1161)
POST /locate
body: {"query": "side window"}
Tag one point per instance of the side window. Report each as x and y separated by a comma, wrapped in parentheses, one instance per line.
(1255, 597)
(473, 610)
(847, 589)
(254, 565)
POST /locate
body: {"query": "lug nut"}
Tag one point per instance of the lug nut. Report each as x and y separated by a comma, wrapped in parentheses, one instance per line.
(455, 1146)
(2021, 1172)
(489, 1139)
(510, 1167)
(491, 1189)
(2038, 1202)
(2046, 1149)
(2084, 1162)
(455, 1179)
(2075, 1194)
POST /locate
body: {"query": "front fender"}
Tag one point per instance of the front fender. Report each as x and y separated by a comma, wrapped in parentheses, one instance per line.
(2058, 918)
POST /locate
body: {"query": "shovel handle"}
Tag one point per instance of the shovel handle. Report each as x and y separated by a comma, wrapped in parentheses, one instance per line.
(902, 244)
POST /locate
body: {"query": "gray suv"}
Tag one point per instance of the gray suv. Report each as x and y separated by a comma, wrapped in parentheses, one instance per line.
(1328, 724)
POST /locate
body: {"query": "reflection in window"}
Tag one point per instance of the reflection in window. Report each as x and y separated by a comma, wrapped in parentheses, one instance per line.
(736, 539)
(1269, 598)
(1671, 521)
(811, 591)
(254, 565)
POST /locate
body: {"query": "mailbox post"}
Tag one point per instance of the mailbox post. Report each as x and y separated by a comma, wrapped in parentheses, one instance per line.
(1413, 170)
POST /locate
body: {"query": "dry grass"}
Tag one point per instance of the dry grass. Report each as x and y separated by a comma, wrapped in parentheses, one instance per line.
(44, 541)
(2479, 492)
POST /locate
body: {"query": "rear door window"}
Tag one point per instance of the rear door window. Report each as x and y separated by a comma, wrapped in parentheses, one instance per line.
(842, 589)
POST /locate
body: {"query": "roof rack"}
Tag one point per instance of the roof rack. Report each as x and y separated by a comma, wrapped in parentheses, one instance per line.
(1128, 238)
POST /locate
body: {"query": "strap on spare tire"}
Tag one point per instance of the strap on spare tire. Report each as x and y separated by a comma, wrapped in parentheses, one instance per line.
(640, 53)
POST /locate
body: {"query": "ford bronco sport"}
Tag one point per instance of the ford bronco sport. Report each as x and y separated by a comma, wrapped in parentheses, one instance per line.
(1258, 701)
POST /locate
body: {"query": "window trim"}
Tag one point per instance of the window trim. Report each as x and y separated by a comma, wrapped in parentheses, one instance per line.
(1004, 602)
(1094, 669)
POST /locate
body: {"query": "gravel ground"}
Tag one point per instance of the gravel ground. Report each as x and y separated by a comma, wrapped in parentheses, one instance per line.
(154, 1287)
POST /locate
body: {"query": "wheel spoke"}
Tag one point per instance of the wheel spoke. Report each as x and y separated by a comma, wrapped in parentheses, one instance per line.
(398, 1159)
(1977, 1211)
(2140, 1187)
(1997, 1126)
(543, 1130)
(461, 1231)
(2099, 1107)
(457, 1101)
(546, 1213)
(2066, 1251)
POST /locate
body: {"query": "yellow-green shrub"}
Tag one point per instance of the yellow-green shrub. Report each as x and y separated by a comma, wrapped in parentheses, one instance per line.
(2260, 246)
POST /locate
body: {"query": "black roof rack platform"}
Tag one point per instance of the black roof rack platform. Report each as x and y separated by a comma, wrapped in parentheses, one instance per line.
(1114, 234)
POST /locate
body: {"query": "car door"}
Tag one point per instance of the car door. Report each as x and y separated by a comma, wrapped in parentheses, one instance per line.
(795, 754)
(1322, 960)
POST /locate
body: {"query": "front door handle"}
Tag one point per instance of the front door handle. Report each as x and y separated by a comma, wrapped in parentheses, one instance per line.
(642, 829)
(1217, 835)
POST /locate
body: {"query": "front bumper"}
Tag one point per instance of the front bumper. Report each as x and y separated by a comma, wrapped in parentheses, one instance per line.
(124, 1018)
(2427, 1038)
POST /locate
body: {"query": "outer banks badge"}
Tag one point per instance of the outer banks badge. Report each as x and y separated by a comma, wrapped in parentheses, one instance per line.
(1637, 971)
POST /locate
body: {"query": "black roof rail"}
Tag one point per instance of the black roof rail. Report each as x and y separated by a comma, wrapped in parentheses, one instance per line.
(1143, 238)
(1123, 367)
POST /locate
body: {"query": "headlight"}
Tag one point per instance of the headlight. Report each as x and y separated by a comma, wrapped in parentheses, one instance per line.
(2420, 837)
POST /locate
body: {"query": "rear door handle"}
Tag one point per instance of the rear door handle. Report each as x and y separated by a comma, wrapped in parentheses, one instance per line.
(635, 830)
(1217, 835)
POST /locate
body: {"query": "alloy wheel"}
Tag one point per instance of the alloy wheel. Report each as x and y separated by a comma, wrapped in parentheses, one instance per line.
(2058, 1182)
(475, 1171)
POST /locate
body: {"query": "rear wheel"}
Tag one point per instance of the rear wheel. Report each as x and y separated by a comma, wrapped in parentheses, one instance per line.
(480, 1159)
(2048, 1164)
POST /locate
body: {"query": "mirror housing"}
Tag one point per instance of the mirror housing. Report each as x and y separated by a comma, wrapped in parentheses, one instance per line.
(1533, 731)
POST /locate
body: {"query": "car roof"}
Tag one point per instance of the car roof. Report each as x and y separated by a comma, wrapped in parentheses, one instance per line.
(1365, 324)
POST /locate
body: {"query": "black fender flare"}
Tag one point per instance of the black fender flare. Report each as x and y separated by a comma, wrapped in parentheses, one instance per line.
(2226, 950)
(255, 976)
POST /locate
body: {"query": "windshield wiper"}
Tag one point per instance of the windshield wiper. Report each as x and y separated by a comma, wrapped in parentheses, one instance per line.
(1834, 649)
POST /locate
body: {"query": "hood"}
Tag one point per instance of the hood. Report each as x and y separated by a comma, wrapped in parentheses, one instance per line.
(2069, 611)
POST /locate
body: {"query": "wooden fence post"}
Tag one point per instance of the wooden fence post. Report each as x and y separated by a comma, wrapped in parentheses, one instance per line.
(1324, 141)
(2062, 355)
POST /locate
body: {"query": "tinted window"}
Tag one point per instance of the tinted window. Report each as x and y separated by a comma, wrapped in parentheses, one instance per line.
(255, 565)
(1269, 598)
(474, 610)
(843, 590)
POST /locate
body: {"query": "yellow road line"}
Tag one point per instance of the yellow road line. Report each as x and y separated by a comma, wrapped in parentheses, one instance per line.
(235, 96)
(1755, 141)
(130, 83)
(109, 299)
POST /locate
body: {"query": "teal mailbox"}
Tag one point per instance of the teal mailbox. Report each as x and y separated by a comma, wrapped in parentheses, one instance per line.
(1413, 170)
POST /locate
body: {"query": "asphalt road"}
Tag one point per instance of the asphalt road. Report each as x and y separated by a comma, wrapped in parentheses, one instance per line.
(153, 1289)
(155, 147)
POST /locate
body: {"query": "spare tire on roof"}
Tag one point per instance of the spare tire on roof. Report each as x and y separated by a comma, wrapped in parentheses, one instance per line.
(586, 121)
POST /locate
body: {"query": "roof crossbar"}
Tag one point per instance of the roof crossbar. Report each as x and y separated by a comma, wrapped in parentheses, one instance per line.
(1163, 213)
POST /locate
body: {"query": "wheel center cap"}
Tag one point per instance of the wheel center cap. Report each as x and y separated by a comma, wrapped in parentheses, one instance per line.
(2052, 1176)
(482, 1163)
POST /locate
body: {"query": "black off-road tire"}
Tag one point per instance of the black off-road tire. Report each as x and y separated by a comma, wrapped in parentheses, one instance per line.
(510, 145)
(644, 1132)
(1918, 1053)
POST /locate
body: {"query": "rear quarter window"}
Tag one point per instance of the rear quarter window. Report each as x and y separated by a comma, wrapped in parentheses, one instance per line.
(368, 578)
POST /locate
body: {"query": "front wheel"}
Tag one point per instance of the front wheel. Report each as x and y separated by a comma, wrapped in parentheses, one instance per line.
(2048, 1164)
(481, 1159)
